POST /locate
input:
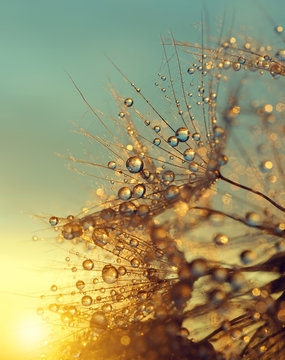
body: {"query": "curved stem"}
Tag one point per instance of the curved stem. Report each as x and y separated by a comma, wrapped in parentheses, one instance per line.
(220, 176)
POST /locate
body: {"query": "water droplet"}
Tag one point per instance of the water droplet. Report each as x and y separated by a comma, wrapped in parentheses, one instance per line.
(127, 208)
(125, 193)
(80, 284)
(236, 66)
(252, 219)
(193, 167)
(237, 280)
(218, 131)
(134, 164)
(247, 256)
(266, 166)
(171, 192)
(172, 141)
(109, 274)
(72, 230)
(189, 154)
(88, 264)
(128, 102)
(221, 239)
(112, 165)
(134, 243)
(40, 311)
(53, 288)
(86, 300)
(135, 262)
(98, 321)
(122, 270)
(156, 141)
(196, 136)
(242, 60)
(182, 134)
(53, 307)
(106, 308)
(139, 190)
(142, 210)
(100, 237)
(108, 214)
(142, 295)
(279, 29)
(280, 55)
(66, 318)
(53, 220)
(168, 176)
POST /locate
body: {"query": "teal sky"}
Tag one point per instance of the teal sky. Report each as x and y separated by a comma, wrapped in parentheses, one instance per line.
(40, 40)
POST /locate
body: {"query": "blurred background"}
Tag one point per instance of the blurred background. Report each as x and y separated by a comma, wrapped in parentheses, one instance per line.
(40, 41)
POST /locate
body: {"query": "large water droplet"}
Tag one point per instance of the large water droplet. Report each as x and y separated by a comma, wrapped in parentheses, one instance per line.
(109, 274)
(189, 154)
(86, 300)
(134, 164)
(128, 102)
(125, 193)
(182, 134)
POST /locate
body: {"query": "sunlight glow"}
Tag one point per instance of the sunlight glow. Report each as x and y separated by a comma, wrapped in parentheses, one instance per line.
(31, 331)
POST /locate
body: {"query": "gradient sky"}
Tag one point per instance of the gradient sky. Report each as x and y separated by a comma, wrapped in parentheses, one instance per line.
(40, 40)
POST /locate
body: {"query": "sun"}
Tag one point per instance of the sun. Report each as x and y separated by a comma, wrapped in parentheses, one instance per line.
(31, 332)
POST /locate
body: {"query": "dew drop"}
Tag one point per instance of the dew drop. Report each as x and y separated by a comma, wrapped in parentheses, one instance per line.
(221, 239)
(100, 237)
(125, 193)
(171, 192)
(247, 257)
(109, 274)
(88, 264)
(156, 141)
(80, 285)
(127, 208)
(128, 102)
(182, 134)
(139, 190)
(266, 166)
(196, 136)
(189, 154)
(135, 262)
(236, 66)
(134, 164)
(112, 165)
(172, 141)
(218, 131)
(252, 219)
(193, 167)
(53, 220)
(53, 288)
(98, 321)
(122, 270)
(242, 60)
(86, 300)
(72, 230)
(168, 176)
